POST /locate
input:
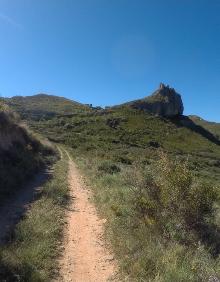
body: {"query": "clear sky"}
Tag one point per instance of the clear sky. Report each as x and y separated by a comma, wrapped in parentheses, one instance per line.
(106, 52)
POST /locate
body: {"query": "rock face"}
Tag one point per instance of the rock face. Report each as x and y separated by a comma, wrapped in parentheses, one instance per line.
(164, 102)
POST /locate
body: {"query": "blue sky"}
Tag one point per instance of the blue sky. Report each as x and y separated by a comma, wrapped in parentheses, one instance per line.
(106, 52)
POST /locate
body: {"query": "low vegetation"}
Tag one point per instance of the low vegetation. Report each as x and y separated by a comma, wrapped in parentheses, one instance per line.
(133, 135)
(43, 106)
(30, 255)
(161, 220)
(211, 126)
(156, 182)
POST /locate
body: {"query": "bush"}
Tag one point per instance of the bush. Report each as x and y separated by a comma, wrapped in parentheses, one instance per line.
(123, 160)
(108, 167)
(160, 221)
(170, 199)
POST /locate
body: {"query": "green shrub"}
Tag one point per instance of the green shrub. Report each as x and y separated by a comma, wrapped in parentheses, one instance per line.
(123, 160)
(108, 167)
(169, 198)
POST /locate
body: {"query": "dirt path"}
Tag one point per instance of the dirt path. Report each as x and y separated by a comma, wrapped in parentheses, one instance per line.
(12, 209)
(85, 257)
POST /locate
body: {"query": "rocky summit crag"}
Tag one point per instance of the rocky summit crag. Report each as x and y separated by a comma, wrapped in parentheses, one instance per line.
(165, 102)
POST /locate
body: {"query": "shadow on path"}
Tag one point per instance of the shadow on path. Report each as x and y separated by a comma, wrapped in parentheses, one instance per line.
(12, 209)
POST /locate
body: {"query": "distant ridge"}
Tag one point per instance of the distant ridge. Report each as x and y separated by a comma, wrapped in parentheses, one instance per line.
(212, 127)
(44, 106)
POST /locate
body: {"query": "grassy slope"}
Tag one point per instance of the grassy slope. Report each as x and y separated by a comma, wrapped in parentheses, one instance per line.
(81, 127)
(21, 153)
(43, 105)
(130, 134)
(110, 146)
(211, 126)
(31, 255)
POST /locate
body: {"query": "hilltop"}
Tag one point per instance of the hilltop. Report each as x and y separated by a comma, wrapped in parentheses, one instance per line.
(165, 102)
(44, 106)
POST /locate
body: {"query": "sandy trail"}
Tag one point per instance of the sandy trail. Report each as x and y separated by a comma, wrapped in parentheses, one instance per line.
(85, 257)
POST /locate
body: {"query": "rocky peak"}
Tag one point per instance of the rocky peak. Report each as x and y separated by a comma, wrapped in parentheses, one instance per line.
(165, 90)
(165, 101)
(162, 86)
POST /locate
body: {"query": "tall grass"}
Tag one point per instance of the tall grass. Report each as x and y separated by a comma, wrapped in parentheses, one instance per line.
(30, 256)
(160, 220)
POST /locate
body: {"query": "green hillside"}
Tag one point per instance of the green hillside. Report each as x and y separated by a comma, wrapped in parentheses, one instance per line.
(155, 181)
(44, 106)
(128, 133)
(213, 127)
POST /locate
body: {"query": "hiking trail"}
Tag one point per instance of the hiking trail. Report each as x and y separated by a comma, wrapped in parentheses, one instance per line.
(86, 258)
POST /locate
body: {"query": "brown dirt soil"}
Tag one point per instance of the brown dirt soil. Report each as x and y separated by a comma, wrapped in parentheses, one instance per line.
(86, 258)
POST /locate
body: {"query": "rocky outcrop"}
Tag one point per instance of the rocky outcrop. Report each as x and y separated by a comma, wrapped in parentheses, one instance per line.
(164, 102)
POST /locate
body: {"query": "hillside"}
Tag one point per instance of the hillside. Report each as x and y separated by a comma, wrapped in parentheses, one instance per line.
(213, 127)
(123, 130)
(155, 181)
(21, 153)
(44, 106)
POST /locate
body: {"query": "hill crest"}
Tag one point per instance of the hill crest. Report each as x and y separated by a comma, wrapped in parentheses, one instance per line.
(44, 106)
